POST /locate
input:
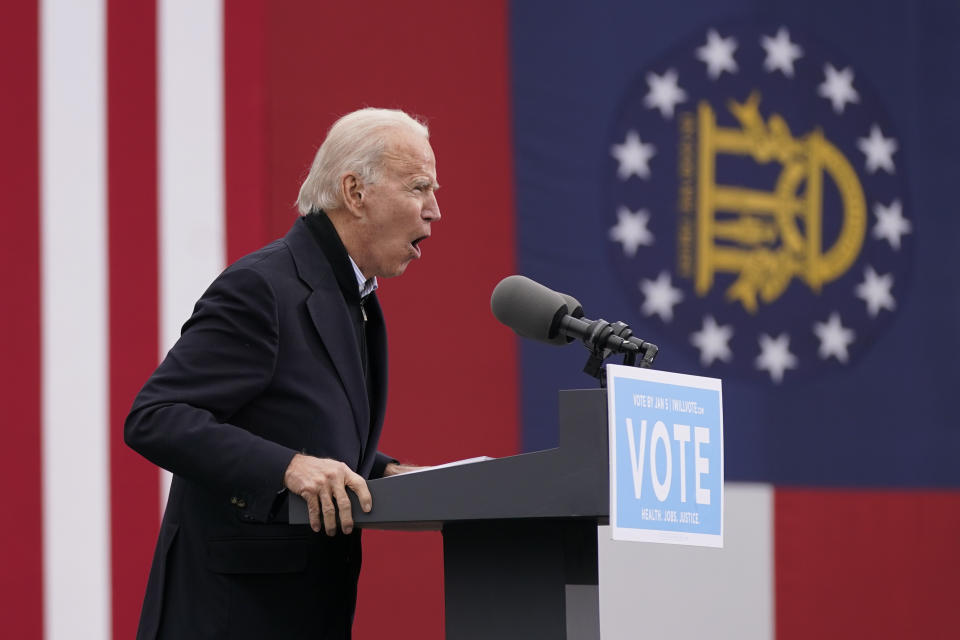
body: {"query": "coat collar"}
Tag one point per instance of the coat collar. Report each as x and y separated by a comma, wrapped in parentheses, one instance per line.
(313, 266)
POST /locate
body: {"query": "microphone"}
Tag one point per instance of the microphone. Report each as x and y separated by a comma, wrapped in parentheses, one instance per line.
(574, 308)
(537, 312)
(531, 309)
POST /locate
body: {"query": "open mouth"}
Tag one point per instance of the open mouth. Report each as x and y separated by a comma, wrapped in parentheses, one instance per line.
(416, 244)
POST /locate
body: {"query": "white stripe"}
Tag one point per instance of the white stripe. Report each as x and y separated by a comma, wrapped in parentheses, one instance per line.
(192, 244)
(76, 532)
(671, 591)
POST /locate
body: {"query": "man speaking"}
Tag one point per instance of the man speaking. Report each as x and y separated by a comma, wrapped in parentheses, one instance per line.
(278, 385)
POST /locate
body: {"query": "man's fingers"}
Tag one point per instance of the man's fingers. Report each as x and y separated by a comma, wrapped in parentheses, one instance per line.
(343, 505)
(323, 486)
(359, 486)
(329, 513)
(313, 509)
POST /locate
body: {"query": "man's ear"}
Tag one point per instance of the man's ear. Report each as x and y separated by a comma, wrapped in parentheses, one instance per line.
(351, 188)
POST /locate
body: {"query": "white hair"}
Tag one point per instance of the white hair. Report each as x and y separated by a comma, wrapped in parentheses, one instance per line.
(356, 143)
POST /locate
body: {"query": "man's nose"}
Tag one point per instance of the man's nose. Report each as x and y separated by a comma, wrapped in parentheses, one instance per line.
(431, 212)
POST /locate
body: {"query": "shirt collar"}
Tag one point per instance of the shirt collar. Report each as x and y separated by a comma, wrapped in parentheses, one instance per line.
(366, 286)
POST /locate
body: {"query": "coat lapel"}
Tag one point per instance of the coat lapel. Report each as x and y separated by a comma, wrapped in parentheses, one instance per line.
(331, 318)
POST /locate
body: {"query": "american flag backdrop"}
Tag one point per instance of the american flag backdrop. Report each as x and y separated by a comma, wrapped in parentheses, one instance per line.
(148, 144)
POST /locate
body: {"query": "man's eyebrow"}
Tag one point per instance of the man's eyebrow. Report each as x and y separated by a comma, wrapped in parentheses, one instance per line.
(423, 179)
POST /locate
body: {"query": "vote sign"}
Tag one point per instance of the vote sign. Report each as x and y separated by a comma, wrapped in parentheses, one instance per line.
(666, 457)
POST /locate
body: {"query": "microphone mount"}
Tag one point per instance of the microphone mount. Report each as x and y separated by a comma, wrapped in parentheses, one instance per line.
(605, 339)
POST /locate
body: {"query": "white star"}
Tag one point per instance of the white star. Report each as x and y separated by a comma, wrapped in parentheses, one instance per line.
(834, 338)
(879, 150)
(718, 54)
(775, 356)
(875, 291)
(634, 156)
(781, 52)
(838, 88)
(713, 340)
(891, 225)
(661, 297)
(665, 94)
(631, 230)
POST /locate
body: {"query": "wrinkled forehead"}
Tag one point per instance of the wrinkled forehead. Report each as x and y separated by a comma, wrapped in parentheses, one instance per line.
(408, 153)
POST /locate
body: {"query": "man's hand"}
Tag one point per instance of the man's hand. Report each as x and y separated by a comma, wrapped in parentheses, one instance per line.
(322, 482)
(394, 468)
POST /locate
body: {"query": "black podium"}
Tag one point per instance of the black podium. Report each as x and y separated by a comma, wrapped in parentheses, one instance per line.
(519, 533)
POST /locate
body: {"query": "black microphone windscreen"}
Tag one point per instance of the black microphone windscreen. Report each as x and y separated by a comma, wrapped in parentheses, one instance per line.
(529, 308)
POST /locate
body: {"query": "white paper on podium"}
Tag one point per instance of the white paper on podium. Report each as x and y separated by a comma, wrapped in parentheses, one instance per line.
(455, 463)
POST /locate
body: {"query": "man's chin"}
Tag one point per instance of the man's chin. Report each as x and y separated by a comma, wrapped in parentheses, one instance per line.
(398, 271)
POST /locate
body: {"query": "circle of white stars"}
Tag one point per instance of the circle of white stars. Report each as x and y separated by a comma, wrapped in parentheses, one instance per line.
(633, 156)
(632, 228)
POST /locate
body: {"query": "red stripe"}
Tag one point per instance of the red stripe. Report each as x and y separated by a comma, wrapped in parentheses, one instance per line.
(866, 564)
(453, 371)
(21, 536)
(133, 288)
(245, 153)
